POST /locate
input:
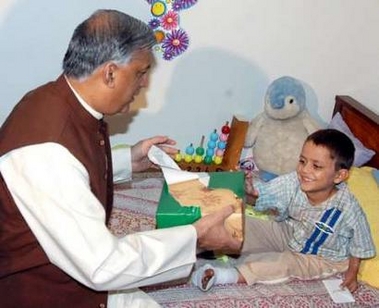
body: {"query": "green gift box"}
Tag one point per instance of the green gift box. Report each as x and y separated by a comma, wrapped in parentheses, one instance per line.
(170, 213)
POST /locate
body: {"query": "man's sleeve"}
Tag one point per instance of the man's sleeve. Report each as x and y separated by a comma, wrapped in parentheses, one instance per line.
(51, 189)
(121, 163)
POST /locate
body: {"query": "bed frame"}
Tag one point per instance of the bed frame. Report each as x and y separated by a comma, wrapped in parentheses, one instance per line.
(363, 123)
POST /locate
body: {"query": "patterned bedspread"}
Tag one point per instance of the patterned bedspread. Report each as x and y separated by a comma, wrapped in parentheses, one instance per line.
(134, 209)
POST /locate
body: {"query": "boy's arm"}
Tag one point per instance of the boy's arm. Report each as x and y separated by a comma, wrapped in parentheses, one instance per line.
(350, 281)
(250, 193)
(275, 195)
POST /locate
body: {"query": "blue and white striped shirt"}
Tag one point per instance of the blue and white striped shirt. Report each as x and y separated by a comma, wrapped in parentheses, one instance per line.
(335, 229)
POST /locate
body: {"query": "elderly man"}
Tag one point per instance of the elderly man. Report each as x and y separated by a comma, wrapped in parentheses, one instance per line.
(56, 183)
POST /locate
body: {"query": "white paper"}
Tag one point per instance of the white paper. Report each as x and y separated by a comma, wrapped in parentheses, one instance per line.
(161, 158)
(171, 171)
(338, 295)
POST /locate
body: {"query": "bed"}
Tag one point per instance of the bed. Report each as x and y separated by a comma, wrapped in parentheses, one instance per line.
(363, 123)
(134, 210)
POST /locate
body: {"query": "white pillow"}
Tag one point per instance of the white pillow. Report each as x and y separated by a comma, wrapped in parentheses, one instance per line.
(362, 154)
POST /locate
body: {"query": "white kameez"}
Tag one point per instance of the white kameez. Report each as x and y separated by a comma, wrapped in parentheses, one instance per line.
(51, 189)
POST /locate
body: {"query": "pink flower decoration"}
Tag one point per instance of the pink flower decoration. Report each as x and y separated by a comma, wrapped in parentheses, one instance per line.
(170, 20)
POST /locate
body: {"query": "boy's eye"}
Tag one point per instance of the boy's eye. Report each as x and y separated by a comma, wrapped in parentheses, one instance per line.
(317, 166)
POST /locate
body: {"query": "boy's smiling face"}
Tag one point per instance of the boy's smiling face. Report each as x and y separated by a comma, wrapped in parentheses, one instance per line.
(317, 174)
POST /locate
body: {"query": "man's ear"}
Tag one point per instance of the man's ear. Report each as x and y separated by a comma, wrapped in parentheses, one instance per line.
(341, 176)
(109, 74)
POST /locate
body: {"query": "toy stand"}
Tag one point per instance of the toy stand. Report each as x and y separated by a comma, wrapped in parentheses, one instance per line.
(236, 139)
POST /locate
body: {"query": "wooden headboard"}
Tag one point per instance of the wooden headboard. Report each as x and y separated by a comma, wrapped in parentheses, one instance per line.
(363, 123)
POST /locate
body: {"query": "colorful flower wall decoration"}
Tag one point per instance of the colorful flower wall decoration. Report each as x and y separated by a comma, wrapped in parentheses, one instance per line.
(172, 40)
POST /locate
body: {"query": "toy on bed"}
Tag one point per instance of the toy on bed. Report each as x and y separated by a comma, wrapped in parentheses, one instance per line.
(277, 134)
(222, 150)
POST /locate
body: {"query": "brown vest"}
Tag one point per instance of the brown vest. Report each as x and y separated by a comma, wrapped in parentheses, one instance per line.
(50, 113)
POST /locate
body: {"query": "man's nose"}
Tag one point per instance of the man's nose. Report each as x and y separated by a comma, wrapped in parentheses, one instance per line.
(144, 81)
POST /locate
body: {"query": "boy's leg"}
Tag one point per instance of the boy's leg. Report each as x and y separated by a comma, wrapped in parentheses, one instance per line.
(274, 267)
(264, 236)
(260, 236)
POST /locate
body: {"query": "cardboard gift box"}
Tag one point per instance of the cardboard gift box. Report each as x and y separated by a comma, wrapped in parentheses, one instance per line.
(185, 202)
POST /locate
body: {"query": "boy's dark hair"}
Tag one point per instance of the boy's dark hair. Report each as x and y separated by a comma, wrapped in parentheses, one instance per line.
(340, 146)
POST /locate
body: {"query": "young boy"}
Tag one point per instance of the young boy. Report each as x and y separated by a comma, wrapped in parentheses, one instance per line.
(320, 229)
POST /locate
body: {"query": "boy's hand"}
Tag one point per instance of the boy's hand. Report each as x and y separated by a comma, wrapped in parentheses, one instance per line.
(250, 192)
(350, 281)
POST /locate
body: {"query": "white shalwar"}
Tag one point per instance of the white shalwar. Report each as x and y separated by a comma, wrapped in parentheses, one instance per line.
(51, 189)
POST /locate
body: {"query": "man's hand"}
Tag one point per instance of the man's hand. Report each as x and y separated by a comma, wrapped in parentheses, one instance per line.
(212, 234)
(140, 161)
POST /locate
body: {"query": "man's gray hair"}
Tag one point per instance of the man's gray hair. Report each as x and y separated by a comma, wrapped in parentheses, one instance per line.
(107, 35)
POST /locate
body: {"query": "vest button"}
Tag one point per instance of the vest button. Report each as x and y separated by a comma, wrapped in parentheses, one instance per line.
(102, 142)
(102, 306)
